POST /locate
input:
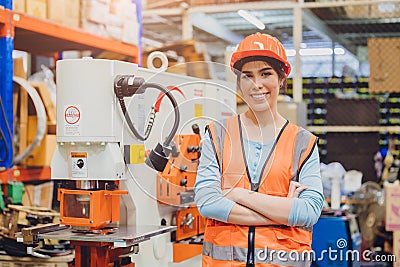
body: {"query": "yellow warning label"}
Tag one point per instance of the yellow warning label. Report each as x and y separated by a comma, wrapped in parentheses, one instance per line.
(78, 155)
(198, 110)
(136, 154)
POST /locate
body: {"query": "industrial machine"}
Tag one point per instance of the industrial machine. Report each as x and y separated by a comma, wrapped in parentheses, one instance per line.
(126, 161)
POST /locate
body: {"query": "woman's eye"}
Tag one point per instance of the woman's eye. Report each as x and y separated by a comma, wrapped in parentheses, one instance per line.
(246, 76)
(266, 73)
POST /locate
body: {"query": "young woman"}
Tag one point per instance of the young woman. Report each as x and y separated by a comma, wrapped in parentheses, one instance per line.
(258, 180)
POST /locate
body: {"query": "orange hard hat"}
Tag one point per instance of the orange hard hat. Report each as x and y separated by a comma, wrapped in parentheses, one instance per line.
(260, 44)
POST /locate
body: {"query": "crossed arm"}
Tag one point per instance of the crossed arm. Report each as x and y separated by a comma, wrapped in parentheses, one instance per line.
(252, 208)
(238, 206)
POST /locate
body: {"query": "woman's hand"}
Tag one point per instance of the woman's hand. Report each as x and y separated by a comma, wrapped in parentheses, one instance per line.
(295, 188)
(236, 193)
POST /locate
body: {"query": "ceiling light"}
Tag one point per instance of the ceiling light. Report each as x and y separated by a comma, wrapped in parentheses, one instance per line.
(290, 52)
(339, 51)
(315, 52)
(251, 18)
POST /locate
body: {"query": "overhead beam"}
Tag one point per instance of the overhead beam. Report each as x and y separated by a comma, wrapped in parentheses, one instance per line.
(260, 5)
(313, 22)
(209, 24)
(362, 21)
(346, 3)
(268, 5)
(162, 4)
(310, 20)
(371, 35)
(163, 12)
(187, 27)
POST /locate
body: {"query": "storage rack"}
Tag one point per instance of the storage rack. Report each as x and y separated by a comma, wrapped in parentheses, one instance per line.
(41, 37)
(44, 37)
(317, 91)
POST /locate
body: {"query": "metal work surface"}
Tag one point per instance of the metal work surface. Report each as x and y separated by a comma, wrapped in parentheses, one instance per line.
(122, 237)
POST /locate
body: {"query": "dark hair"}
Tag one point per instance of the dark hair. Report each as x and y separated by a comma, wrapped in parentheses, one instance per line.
(274, 63)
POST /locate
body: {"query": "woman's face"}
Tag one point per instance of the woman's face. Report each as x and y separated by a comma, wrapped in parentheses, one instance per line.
(259, 84)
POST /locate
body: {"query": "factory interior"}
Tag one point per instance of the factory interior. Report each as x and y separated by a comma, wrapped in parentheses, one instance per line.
(84, 124)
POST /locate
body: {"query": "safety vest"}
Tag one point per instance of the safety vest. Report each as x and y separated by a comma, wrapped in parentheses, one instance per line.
(236, 245)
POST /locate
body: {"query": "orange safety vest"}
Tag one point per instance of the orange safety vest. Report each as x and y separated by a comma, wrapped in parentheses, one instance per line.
(236, 245)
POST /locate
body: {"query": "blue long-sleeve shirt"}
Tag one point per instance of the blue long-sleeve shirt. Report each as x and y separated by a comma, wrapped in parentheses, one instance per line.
(305, 209)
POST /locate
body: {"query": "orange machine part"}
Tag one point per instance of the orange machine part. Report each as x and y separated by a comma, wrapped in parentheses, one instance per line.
(182, 252)
(104, 207)
(179, 175)
(185, 230)
(98, 254)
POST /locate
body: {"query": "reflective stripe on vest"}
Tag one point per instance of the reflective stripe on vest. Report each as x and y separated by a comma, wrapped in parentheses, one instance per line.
(262, 255)
(302, 140)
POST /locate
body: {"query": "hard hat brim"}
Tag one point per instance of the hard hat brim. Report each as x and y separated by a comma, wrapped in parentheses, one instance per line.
(238, 56)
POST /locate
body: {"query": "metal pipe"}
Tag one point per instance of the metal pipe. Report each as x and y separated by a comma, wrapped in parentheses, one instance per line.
(86, 184)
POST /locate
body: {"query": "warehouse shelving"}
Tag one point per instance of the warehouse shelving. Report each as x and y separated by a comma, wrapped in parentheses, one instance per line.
(25, 175)
(40, 36)
(3, 17)
(362, 122)
(355, 128)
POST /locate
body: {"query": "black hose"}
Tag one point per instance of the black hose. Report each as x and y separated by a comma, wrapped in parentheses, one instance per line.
(176, 113)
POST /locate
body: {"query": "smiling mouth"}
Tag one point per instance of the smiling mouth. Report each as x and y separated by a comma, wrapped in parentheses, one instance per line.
(259, 96)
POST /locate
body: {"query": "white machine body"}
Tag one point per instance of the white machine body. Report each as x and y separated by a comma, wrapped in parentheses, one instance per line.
(92, 128)
(86, 103)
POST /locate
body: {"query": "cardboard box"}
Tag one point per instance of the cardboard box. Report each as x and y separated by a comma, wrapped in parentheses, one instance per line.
(383, 52)
(120, 8)
(203, 2)
(95, 11)
(72, 13)
(115, 20)
(94, 28)
(21, 99)
(358, 11)
(19, 70)
(396, 248)
(392, 203)
(19, 5)
(43, 154)
(37, 8)
(38, 195)
(114, 32)
(130, 32)
(65, 12)
(44, 93)
(385, 10)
